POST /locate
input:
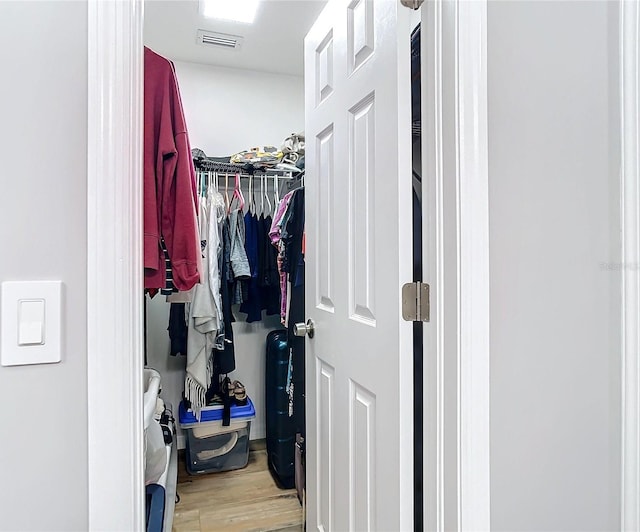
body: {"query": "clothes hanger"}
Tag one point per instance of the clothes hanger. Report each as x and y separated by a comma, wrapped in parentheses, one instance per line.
(261, 195)
(266, 194)
(239, 188)
(237, 194)
(252, 185)
(227, 201)
(214, 183)
(276, 194)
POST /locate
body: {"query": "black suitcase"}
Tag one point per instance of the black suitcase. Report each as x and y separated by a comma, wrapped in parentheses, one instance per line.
(281, 428)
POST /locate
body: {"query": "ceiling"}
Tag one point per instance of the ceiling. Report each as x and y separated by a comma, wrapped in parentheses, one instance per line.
(273, 43)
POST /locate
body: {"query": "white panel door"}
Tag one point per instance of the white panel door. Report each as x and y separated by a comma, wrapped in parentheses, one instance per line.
(358, 225)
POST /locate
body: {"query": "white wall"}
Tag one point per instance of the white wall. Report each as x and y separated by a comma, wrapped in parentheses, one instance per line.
(228, 110)
(43, 148)
(554, 221)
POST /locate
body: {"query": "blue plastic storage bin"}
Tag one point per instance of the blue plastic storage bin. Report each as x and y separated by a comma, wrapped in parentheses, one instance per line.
(210, 446)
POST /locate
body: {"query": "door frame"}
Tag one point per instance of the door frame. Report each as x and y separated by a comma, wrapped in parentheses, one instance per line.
(457, 359)
(115, 317)
(115, 353)
(629, 26)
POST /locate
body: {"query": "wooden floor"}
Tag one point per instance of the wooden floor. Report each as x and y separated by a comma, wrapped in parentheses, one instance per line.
(246, 500)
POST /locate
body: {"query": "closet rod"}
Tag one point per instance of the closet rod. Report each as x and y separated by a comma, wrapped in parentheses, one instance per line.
(245, 170)
(257, 176)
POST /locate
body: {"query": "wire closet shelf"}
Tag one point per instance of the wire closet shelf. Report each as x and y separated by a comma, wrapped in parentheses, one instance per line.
(243, 170)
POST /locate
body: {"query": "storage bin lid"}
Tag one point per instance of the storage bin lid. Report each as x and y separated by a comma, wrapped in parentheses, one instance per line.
(214, 413)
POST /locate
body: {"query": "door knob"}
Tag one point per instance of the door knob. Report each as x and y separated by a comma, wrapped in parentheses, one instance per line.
(302, 329)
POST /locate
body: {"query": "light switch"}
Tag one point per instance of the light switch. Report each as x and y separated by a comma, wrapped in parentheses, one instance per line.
(31, 322)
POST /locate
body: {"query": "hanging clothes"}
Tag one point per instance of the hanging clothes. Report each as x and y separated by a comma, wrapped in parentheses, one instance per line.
(238, 261)
(169, 287)
(262, 291)
(202, 328)
(292, 244)
(227, 286)
(276, 226)
(170, 198)
(239, 265)
(293, 240)
(216, 206)
(288, 235)
(269, 279)
(275, 234)
(252, 306)
(224, 351)
(224, 354)
(178, 329)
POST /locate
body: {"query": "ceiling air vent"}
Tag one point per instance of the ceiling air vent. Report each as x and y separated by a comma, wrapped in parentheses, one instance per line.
(219, 40)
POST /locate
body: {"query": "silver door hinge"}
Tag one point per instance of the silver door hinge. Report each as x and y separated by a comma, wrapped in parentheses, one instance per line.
(415, 302)
(412, 4)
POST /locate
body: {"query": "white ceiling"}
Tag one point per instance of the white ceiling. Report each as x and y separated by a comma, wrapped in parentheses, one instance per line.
(273, 43)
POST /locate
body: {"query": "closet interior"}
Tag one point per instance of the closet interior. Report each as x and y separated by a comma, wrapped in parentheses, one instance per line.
(224, 267)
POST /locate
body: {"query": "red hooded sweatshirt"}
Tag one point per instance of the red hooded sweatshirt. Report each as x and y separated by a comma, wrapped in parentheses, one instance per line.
(170, 197)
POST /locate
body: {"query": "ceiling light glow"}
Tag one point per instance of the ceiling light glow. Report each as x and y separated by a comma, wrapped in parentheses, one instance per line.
(235, 10)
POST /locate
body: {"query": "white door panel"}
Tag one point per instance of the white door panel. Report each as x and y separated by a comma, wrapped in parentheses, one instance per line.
(358, 224)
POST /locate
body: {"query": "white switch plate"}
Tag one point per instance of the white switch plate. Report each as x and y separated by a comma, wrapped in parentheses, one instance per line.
(49, 349)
